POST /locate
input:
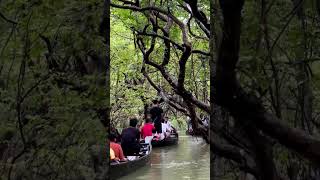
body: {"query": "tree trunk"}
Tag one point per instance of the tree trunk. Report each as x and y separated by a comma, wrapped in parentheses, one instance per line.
(246, 107)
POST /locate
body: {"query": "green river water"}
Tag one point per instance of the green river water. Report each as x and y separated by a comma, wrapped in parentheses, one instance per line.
(189, 159)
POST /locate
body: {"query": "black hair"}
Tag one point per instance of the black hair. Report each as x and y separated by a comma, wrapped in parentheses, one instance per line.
(154, 130)
(133, 122)
(148, 120)
(112, 137)
(155, 101)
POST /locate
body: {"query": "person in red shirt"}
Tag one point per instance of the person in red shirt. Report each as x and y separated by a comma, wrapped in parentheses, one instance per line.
(117, 149)
(147, 129)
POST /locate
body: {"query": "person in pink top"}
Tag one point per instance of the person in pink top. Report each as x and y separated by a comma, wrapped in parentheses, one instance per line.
(146, 130)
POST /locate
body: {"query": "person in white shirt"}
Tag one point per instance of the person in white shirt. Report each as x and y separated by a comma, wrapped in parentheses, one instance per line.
(205, 122)
(165, 129)
(166, 120)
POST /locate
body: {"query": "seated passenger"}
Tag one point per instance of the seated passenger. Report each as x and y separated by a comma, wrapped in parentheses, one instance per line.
(116, 133)
(165, 129)
(205, 121)
(115, 148)
(147, 129)
(166, 121)
(130, 139)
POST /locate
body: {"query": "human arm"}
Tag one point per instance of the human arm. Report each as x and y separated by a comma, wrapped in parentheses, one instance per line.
(138, 134)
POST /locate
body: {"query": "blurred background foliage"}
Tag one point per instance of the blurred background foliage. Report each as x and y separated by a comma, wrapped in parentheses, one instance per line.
(52, 84)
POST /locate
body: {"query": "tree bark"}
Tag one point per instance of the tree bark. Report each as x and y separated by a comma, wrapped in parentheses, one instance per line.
(247, 108)
(104, 31)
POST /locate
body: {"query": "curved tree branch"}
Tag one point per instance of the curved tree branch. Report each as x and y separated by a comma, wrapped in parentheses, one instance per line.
(247, 107)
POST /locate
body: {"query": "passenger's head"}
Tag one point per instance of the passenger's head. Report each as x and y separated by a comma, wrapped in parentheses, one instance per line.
(133, 122)
(148, 118)
(155, 102)
(166, 119)
(154, 130)
(112, 137)
(162, 120)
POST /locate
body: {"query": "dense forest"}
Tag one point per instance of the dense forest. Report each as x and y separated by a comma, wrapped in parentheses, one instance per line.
(251, 65)
(263, 79)
(145, 61)
(53, 94)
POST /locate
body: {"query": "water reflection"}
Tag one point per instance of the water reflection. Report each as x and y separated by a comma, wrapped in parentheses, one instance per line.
(190, 159)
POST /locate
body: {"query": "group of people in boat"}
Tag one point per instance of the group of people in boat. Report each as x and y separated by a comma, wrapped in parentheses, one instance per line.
(156, 127)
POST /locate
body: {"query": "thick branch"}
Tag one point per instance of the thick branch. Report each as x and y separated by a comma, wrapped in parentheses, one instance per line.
(247, 107)
(182, 63)
(153, 8)
(199, 15)
(235, 154)
(159, 90)
(6, 19)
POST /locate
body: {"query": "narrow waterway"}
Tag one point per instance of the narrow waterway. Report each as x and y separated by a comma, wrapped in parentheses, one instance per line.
(190, 159)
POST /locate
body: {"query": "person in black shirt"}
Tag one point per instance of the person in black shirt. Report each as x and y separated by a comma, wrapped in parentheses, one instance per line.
(156, 115)
(130, 139)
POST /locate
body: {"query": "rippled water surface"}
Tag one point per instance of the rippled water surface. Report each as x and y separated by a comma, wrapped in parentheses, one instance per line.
(190, 159)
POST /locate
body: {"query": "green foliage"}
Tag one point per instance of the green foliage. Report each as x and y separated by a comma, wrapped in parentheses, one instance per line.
(57, 106)
(128, 99)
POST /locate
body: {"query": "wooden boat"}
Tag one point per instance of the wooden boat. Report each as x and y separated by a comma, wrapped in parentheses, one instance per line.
(171, 140)
(119, 169)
